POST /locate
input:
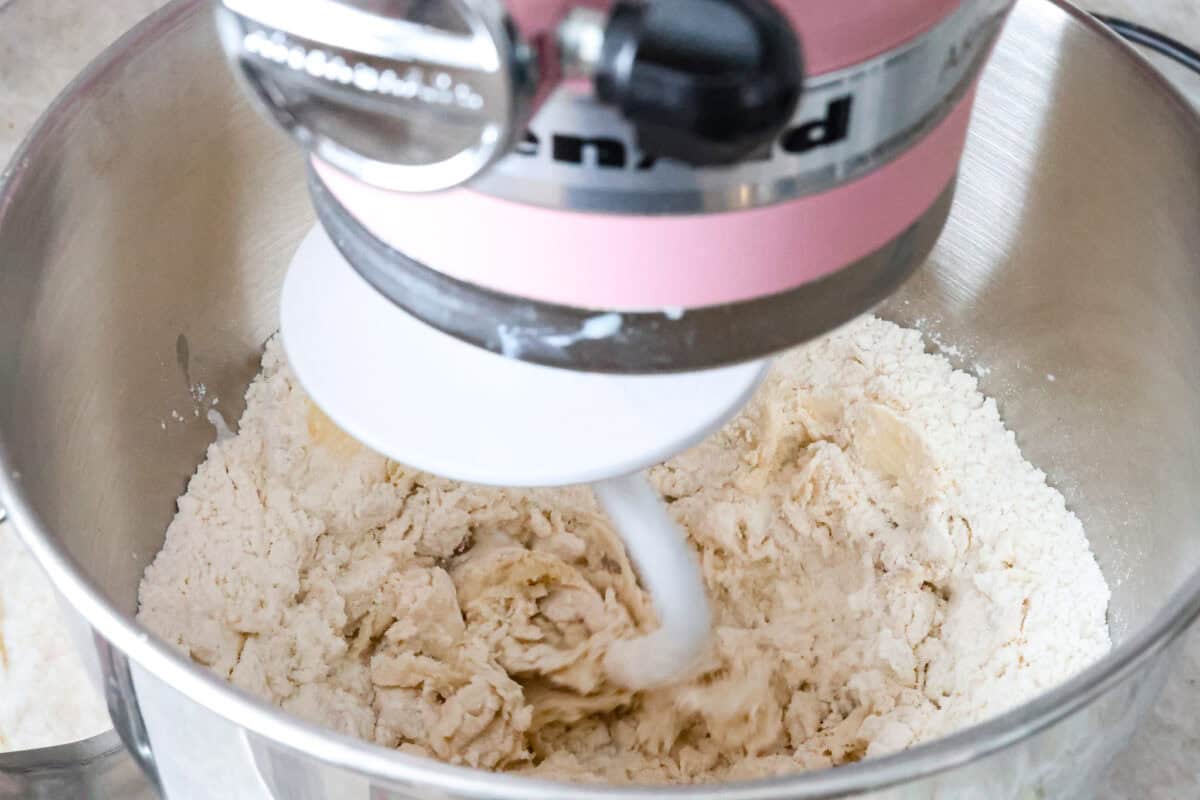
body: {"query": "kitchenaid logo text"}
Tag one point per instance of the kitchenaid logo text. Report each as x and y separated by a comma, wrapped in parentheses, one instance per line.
(434, 87)
(611, 152)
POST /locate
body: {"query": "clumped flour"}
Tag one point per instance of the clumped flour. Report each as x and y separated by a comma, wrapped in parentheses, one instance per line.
(884, 567)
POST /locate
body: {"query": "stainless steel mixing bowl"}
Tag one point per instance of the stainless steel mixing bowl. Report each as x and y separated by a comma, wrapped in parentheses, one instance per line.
(143, 231)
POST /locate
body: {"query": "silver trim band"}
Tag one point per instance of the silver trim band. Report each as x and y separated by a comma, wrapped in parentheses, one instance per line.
(580, 155)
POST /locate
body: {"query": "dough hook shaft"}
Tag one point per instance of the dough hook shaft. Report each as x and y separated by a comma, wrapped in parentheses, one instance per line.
(670, 573)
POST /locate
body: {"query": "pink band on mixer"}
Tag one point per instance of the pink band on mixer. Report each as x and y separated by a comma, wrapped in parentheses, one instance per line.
(837, 33)
(651, 262)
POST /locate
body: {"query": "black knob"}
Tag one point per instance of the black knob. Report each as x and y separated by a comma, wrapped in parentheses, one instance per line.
(702, 81)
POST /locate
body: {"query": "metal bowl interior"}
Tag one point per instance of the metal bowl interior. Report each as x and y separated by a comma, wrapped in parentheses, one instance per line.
(145, 226)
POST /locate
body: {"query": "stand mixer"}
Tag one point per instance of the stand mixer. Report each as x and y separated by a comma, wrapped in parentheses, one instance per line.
(150, 208)
(558, 244)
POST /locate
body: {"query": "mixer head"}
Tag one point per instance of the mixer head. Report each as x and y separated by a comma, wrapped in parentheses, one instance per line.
(670, 161)
(658, 190)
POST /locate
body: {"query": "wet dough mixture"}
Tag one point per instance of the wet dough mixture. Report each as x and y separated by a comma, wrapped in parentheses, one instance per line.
(884, 568)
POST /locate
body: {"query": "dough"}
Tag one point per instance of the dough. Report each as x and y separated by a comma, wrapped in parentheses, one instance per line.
(884, 567)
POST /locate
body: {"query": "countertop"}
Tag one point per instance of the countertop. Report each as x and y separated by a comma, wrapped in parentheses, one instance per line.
(43, 43)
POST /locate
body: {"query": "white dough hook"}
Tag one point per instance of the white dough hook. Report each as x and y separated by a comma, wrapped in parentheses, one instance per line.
(670, 573)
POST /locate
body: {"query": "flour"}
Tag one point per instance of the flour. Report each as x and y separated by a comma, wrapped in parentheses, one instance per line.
(884, 567)
(46, 697)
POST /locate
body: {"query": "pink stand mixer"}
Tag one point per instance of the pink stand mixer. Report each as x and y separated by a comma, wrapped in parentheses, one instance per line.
(558, 244)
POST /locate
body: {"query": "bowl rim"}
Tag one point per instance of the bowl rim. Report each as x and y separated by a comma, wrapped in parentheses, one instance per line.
(384, 765)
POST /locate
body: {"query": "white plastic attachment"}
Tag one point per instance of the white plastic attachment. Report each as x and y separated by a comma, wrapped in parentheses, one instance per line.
(438, 404)
(670, 573)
